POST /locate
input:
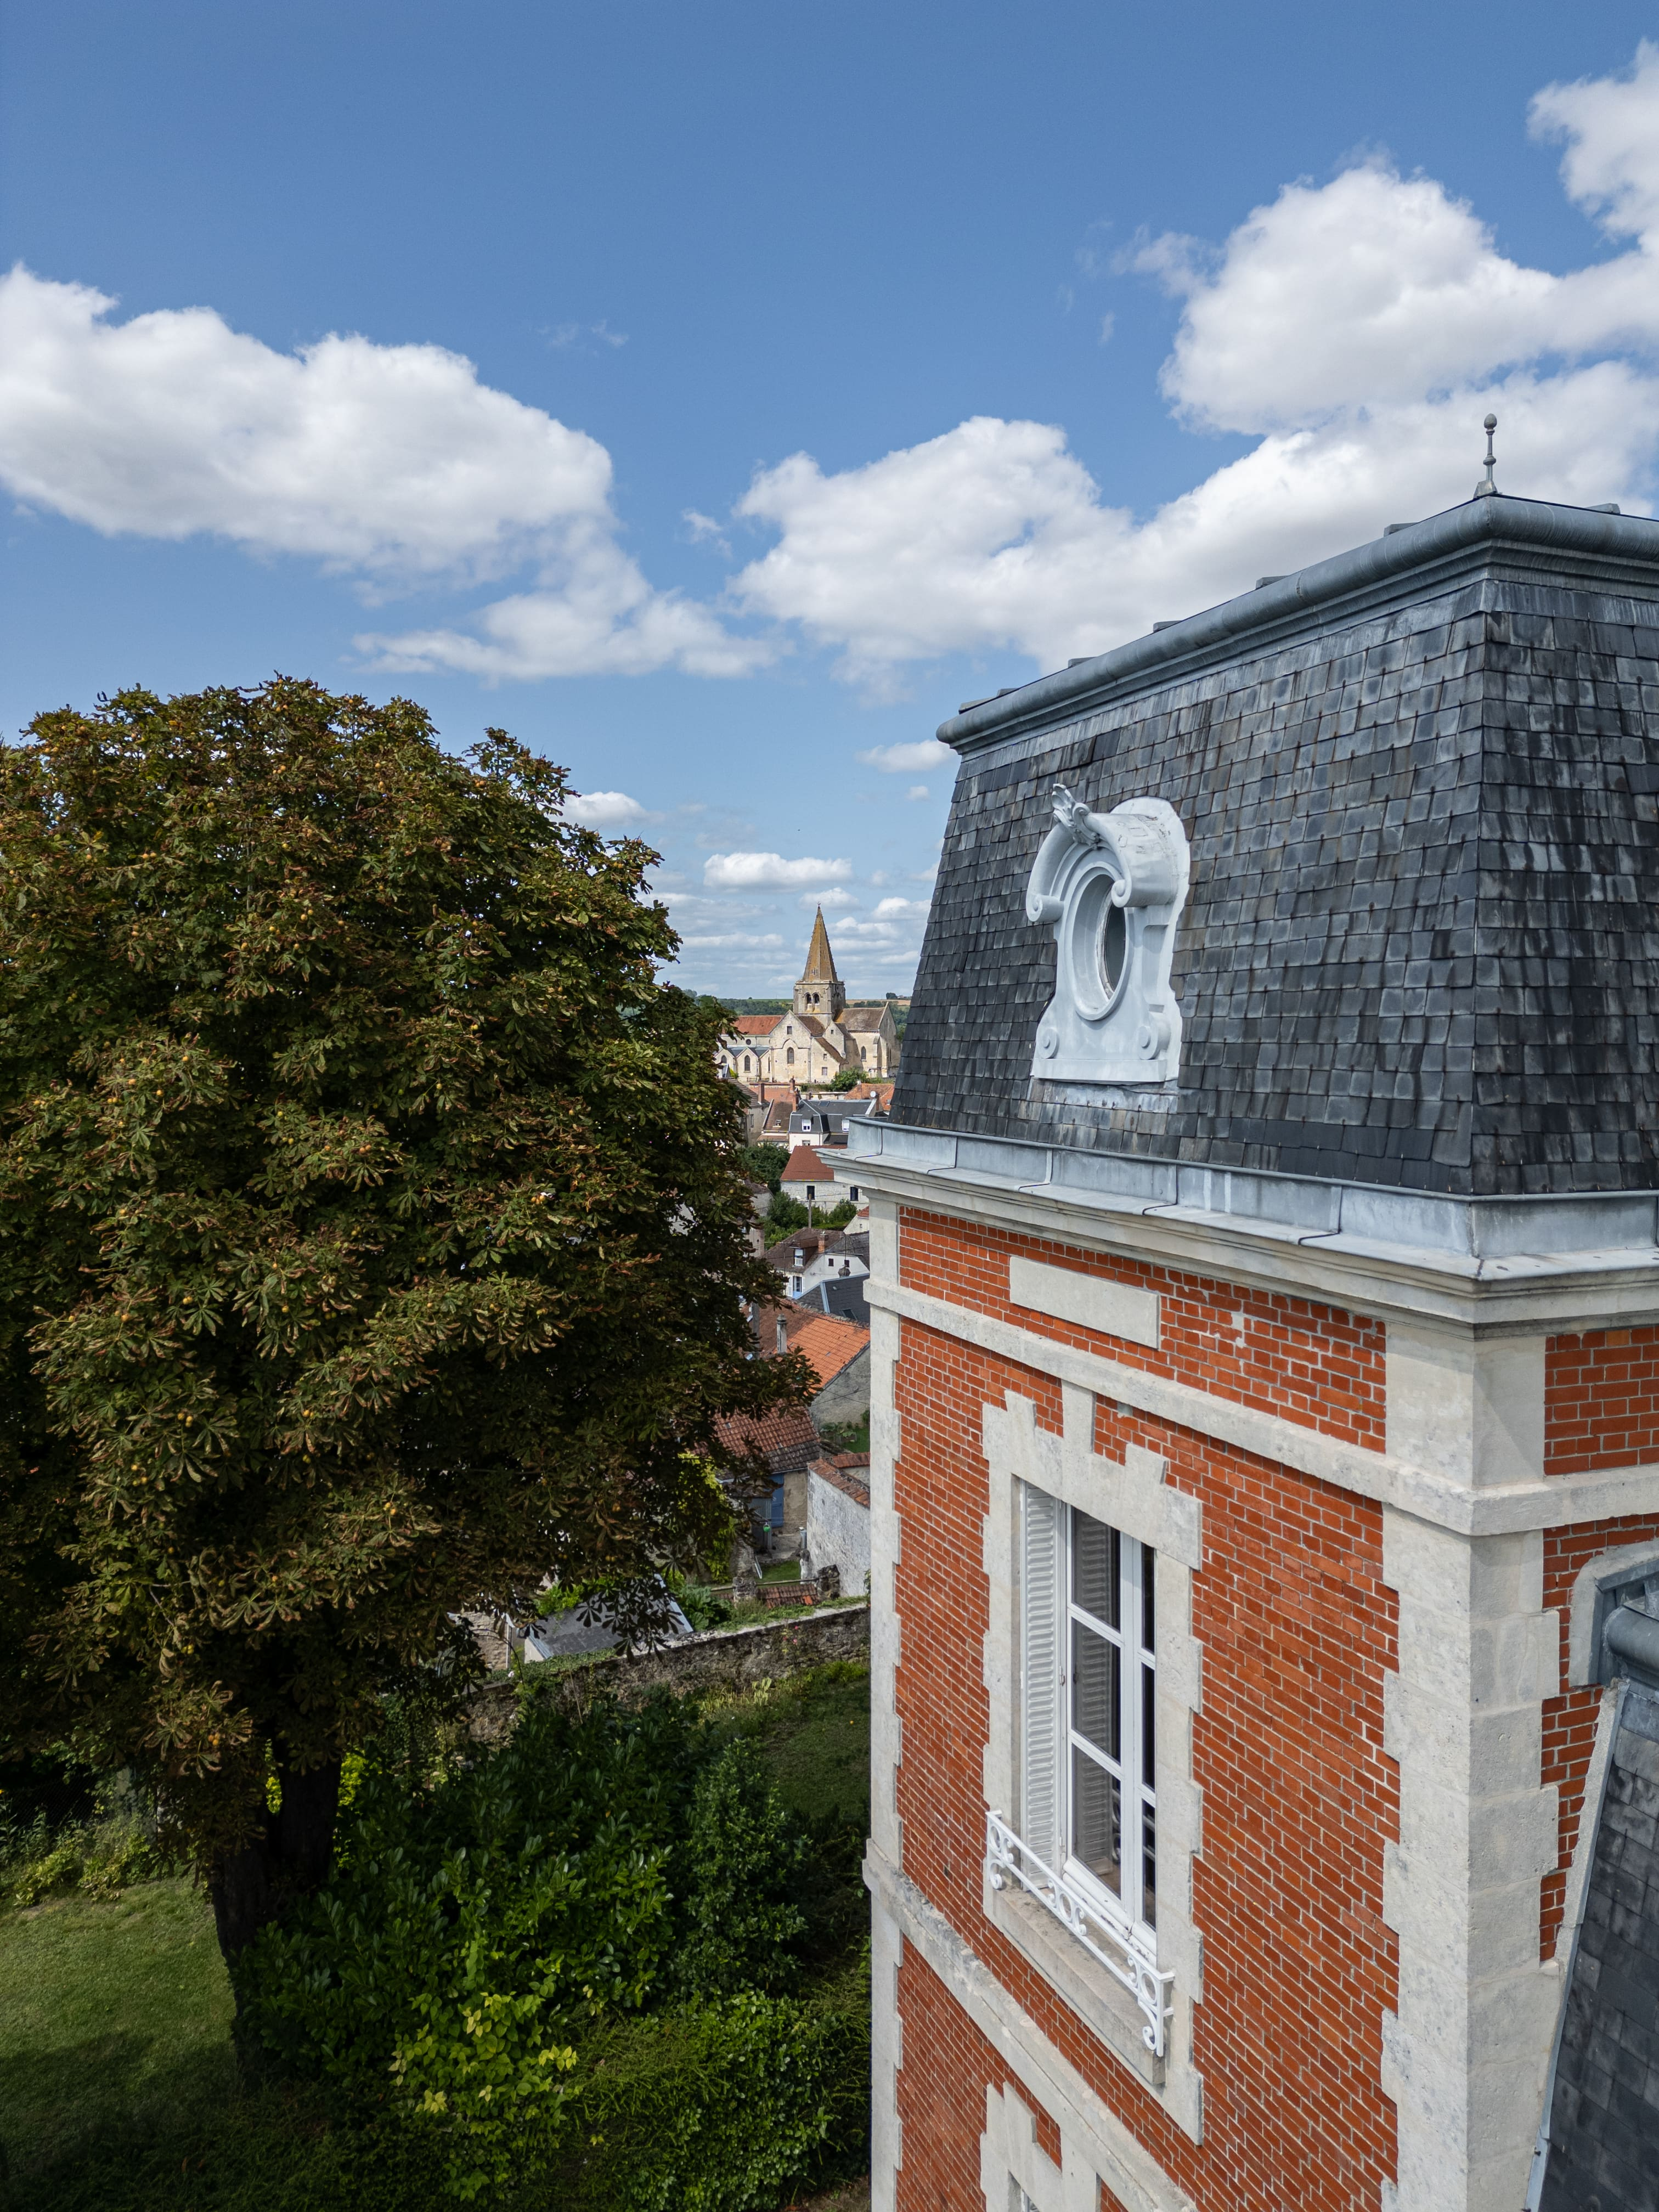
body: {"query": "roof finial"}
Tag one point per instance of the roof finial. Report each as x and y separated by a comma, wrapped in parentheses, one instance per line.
(1486, 488)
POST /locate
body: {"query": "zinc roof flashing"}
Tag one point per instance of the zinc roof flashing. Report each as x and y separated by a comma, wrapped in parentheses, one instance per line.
(1381, 566)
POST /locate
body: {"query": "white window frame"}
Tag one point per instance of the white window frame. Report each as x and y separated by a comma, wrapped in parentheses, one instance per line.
(1137, 1796)
(1039, 1857)
(1076, 1951)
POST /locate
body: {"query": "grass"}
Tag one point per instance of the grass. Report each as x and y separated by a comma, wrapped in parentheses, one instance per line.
(115, 2051)
(107, 2009)
(815, 1731)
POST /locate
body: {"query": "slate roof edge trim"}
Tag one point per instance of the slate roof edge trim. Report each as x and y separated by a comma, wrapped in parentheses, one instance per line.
(1476, 524)
(1545, 1224)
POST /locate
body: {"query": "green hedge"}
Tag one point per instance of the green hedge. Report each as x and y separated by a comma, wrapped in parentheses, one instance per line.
(735, 2106)
(730, 2108)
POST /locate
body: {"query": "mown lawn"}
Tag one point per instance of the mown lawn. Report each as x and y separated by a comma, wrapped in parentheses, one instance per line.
(106, 2010)
(115, 2053)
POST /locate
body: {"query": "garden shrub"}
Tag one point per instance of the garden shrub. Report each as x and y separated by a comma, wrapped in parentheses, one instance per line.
(100, 1853)
(488, 1944)
(746, 1857)
(731, 2107)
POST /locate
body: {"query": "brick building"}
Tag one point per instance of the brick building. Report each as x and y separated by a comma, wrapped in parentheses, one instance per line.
(1265, 1289)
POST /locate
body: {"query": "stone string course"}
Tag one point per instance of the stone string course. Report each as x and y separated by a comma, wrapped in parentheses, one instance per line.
(1305, 1363)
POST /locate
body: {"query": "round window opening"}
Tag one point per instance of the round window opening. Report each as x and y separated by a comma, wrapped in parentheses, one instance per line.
(1114, 948)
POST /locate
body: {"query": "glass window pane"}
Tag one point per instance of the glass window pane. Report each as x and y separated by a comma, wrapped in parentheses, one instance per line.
(1149, 1866)
(1096, 1564)
(1148, 1626)
(1148, 1721)
(1097, 1821)
(1096, 1704)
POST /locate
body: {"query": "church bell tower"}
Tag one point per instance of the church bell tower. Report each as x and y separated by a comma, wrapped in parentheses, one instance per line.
(820, 991)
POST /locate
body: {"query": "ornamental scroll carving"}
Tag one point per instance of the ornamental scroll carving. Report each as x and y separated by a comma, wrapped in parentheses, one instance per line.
(1113, 886)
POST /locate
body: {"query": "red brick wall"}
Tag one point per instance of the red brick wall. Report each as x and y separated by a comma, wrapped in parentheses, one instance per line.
(1310, 1363)
(1601, 1399)
(1570, 1719)
(948, 2068)
(1298, 1630)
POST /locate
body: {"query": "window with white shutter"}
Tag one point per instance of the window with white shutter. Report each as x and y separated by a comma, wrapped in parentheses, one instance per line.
(1087, 1843)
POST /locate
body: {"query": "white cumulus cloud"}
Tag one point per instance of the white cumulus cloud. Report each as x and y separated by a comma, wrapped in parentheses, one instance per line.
(833, 900)
(607, 810)
(770, 871)
(1358, 329)
(729, 941)
(393, 464)
(906, 759)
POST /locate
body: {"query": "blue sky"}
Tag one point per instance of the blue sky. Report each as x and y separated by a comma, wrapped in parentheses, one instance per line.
(716, 396)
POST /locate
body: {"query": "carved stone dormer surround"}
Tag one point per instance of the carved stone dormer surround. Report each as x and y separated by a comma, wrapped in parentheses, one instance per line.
(1112, 886)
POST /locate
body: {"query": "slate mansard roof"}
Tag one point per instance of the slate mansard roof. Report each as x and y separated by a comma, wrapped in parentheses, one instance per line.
(1421, 949)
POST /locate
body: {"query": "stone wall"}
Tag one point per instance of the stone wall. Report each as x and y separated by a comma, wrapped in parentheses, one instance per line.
(722, 1659)
(838, 1530)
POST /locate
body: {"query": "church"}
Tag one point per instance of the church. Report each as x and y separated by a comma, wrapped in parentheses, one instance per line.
(819, 1037)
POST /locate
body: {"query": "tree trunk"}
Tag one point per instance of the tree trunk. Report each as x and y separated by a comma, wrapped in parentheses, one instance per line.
(288, 1863)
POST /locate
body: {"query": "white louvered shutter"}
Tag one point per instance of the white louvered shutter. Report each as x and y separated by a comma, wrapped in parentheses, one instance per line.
(1042, 1621)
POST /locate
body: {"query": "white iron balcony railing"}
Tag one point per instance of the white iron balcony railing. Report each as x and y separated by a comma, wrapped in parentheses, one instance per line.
(1115, 1948)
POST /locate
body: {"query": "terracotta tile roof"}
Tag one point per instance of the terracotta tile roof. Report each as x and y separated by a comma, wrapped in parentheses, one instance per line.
(807, 1166)
(848, 1472)
(785, 1432)
(830, 1343)
(756, 1024)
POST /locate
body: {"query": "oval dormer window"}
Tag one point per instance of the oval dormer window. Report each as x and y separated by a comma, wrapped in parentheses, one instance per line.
(1113, 949)
(1112, 887)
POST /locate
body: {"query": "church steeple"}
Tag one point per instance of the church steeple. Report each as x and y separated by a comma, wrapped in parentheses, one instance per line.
(820, 990)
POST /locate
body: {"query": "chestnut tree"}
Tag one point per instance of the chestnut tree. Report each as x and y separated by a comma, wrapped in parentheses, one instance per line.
(372, 1241)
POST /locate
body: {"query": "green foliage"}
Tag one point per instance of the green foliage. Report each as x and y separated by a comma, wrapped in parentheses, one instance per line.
(836, 1217)
(100, 1852)
(470, 1934)
(735, 2106)
(849, 1079)
(116, 2088)
(746, 1858)
(764, 1163)
(847, 1436)
(784, 1215)
(701, 1608)
(726, 2107)
(475, 1936)
(371, 1230)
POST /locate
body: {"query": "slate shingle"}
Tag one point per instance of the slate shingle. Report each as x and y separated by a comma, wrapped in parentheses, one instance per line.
(1420, 944)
